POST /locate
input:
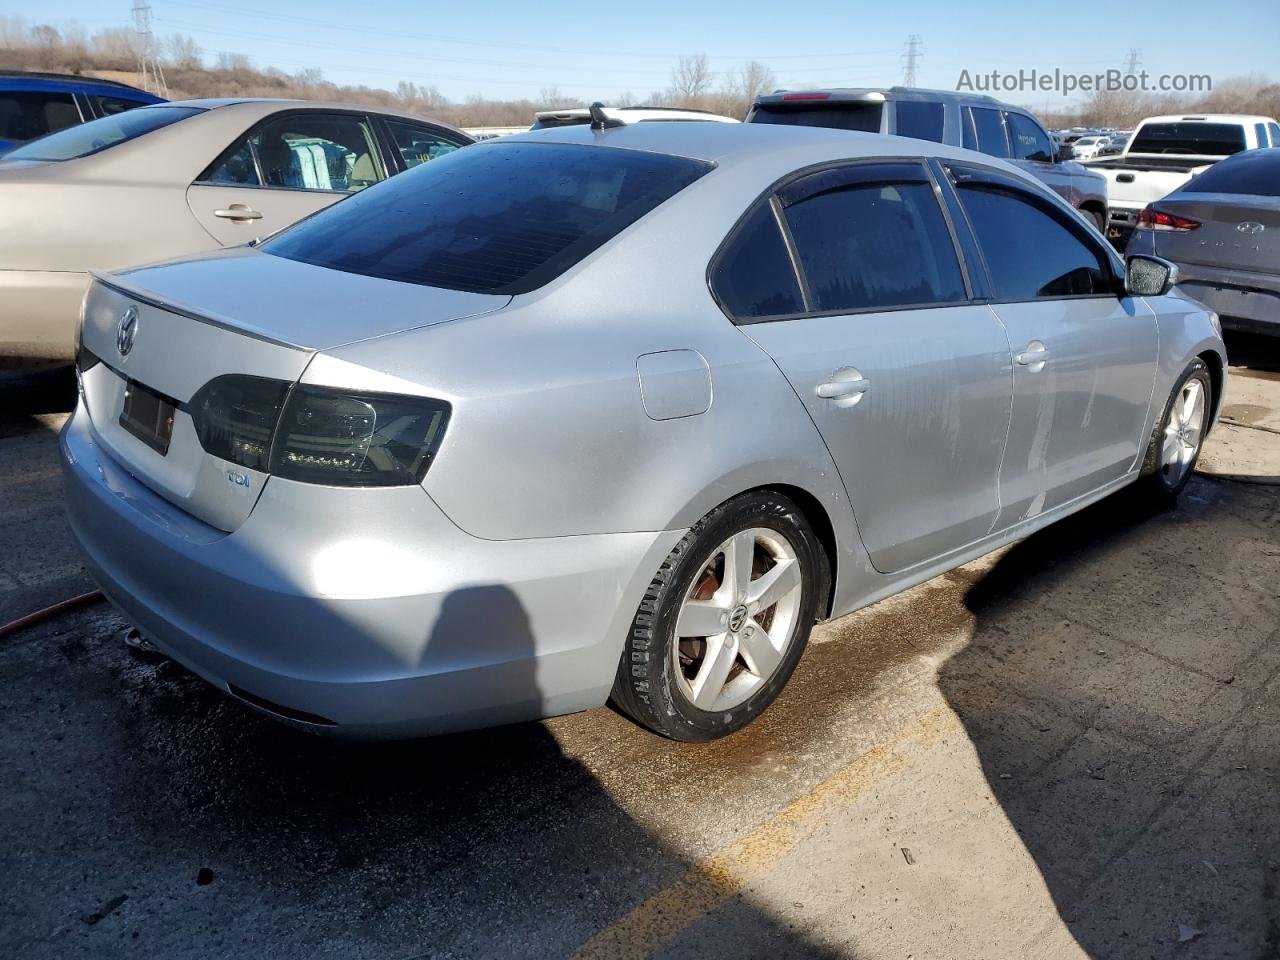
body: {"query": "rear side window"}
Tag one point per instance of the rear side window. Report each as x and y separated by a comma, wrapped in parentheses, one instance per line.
(989, 126)
(1030, 253)
(1204, 139)
(1255, 174)
(753, 277)
(499, 218)
(304, 151)
(875, 245)
(418, 144)
(1029, 142)
(25, 115)
(919, 119)
(98, 135)
(838, 116)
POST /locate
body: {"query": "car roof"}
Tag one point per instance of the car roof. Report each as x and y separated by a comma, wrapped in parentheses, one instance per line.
(880, 94)
(256, 108)
(70, 83)
(732, 142)
(1208, 118)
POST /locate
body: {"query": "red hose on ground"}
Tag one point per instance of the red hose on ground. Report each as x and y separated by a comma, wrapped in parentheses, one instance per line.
(31, 619)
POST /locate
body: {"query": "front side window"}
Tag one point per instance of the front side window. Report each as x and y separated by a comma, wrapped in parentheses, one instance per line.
(418, 144)
(753, 277)
(499, 217)
(1028, 141)
(919, 119)
(989, 126)
(25, 115)
(875, 245)
(98, 135)
(1031, 254)
(304, 151)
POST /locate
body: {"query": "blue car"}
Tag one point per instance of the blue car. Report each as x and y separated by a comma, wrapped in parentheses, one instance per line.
(33, 104)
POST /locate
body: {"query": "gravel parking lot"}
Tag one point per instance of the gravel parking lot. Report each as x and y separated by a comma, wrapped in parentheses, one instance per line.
(1068, 748)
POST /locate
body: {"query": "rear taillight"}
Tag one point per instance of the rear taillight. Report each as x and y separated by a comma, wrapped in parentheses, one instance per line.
(357, 439)
(806, 96)
(235, 417)
(317, 434)
(1152, 219)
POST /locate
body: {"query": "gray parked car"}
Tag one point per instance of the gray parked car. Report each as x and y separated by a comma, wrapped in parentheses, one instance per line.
(177, 178)
(1222, 229)
(584, 413)
(974, 121)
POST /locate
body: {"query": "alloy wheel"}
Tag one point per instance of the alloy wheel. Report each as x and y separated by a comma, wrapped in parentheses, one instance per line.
(1183, 432)
(737, 619)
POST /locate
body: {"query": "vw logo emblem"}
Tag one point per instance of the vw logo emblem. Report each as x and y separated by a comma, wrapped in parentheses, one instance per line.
(737, 618)
(127, 331)
(1250, 227)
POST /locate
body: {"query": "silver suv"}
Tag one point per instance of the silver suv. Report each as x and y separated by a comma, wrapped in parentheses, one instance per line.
(972, 121)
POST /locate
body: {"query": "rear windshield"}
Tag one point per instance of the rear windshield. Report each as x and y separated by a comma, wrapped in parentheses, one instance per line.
(1254, 174)
(839, 115)
(1205, 139)
(98, 135)
(499, 218)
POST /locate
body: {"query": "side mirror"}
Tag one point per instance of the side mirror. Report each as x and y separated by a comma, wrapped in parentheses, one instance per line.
(1064, 153)
(1149, 276)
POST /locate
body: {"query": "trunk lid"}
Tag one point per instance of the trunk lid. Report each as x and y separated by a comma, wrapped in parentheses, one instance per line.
(1236, 232)
(244, 313)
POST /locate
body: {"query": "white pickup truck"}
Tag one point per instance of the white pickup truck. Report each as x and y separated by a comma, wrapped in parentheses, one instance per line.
(1166, 152)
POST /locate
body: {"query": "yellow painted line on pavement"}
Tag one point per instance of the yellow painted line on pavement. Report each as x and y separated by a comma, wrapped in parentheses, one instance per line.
(708, 884)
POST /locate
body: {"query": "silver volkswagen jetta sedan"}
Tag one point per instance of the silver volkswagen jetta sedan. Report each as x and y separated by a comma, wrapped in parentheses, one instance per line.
(587, 414)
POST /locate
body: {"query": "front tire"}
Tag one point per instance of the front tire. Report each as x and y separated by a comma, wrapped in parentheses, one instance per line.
(1179, 435)
(724, 621)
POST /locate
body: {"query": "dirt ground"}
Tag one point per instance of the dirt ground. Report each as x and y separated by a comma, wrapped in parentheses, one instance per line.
(1068, 748)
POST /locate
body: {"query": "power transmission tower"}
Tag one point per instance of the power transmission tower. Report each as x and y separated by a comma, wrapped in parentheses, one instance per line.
(150, 70)
(911, 54)
(1133, 61)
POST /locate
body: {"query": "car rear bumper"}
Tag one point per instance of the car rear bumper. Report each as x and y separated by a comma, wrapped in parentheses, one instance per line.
(39, 310)
(1243, 299)
(361, 612)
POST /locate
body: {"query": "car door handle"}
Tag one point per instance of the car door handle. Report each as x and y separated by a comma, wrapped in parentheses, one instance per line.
(846, 387)
(1033, 356)
(238, 211)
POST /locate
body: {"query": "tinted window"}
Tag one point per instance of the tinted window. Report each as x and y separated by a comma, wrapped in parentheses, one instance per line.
(875, 245)
(1260, 130)
(1206, 139)
(495, 218)
(919, 119)
(110, 106)
(841, 116)
(1274, 128)
(1256, 173)
(418, 144)
(990, 127)
(305, 151)
(753, 277)
(968, 139)
(1029, 252)
(98, 135)
(25, 116)
(1029, 142)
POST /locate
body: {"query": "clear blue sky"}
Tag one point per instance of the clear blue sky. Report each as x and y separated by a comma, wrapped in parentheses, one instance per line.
(505, 48)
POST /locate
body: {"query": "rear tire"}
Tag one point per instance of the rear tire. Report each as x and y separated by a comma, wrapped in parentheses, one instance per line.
(1098, 219)
(724, 621)
(1179, 434)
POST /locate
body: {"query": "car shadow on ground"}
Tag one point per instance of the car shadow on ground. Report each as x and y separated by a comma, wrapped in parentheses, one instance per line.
(486, 844)
(1137, 762)
(1252, 350)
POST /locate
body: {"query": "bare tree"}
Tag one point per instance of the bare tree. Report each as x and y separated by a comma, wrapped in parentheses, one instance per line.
(550, 97)
(183, 52)
(691, 80)
(232, 62)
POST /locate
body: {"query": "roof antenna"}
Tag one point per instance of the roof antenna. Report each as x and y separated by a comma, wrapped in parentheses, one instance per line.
(599, 121)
